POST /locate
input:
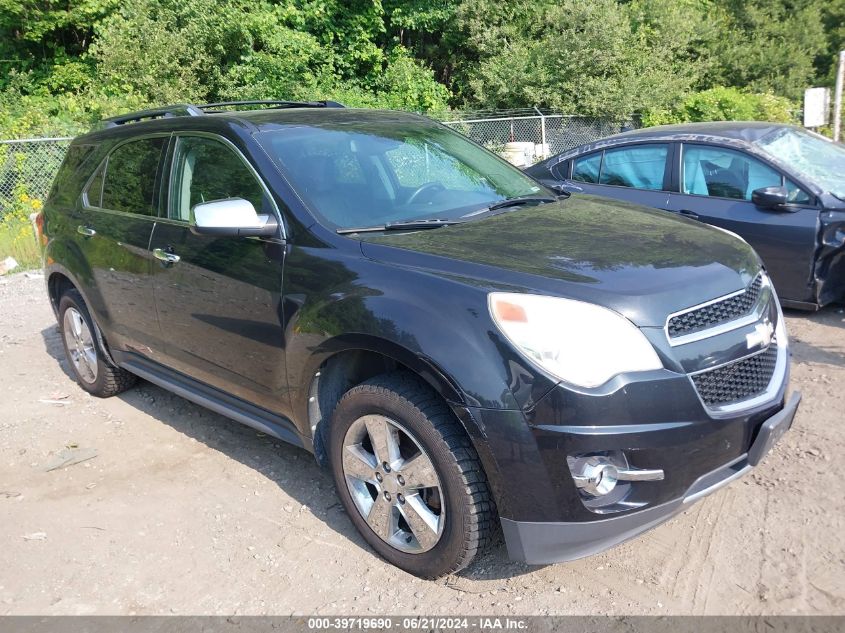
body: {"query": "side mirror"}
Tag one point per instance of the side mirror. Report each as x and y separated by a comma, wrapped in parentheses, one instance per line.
(232, 217)
(770, 197)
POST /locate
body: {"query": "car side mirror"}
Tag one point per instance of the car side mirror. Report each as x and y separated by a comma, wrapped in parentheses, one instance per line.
(232, 217)
(564, 187)
(770, 197)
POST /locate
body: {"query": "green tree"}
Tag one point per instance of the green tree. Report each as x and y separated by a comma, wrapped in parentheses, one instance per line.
(572, 56)
(767, 45)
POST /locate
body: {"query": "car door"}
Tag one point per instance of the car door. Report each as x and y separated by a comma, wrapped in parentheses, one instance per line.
(219, 298)
(119, 207)
(716, 185)
(637, 173)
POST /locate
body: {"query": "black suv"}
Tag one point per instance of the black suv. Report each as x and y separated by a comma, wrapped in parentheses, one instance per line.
(462, 347)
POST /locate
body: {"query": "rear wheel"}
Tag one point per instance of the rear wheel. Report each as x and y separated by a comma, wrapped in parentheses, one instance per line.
(409, 477)
(92, 370)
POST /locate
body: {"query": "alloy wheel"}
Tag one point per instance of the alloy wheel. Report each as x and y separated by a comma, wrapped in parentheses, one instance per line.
(393, 484)
(80, 345)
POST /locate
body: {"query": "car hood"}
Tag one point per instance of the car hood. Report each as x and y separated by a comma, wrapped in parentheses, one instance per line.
(642, 263)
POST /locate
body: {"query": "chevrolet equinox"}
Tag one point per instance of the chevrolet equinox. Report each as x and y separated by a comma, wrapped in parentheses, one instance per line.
(466, 350)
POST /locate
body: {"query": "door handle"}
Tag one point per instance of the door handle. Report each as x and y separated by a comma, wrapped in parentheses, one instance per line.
(85, 231)
(167, 258)
(692, 215)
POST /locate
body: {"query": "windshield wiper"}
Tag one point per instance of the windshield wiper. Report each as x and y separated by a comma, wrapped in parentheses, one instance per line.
(407, 225)
(513, 202)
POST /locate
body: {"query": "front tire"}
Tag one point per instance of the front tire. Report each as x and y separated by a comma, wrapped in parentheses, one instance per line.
(409, 477)
(94, 373)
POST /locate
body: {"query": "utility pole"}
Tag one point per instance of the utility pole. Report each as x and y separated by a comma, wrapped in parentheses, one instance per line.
(837, 100)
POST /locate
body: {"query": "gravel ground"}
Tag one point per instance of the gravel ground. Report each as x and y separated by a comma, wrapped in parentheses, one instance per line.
(182, 511)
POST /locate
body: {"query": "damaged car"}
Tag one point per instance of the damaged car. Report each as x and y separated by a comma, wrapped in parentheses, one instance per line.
(779, 187)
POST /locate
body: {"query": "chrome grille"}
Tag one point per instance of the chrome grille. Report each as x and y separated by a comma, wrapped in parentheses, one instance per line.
(716, 313)
(737, 381)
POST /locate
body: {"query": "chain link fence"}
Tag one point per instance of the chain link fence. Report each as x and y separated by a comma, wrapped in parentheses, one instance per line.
(28, 166)
(526, 139)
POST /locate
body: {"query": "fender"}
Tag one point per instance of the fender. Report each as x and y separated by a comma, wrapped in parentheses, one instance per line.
(418, 363)
(55, 268)
(424, 367)
(75, 267)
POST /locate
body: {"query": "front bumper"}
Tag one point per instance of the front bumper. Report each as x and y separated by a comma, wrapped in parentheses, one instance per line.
(542, 542)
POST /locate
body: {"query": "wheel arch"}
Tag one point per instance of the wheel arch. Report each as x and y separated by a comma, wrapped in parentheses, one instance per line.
(59, 281)
(346, 361)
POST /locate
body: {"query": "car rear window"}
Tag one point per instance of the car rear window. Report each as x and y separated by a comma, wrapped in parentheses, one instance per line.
(130, 183)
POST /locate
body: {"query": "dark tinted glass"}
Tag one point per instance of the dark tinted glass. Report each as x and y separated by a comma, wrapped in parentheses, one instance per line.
(71, 176)
(640, 166)
(207, 170)
(94, 191)
(131, 176)
(586, 168)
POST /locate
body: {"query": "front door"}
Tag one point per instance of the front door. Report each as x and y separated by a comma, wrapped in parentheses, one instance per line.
(716, 187)
(219, 305)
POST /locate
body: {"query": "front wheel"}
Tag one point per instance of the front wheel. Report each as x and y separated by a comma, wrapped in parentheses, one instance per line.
(409, 477)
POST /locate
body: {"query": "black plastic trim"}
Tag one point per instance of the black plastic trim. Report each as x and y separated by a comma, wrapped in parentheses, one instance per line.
(212, 398)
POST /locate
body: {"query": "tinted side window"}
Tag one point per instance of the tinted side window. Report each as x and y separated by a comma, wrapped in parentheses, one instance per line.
(796, 194)
(586, 168)
(725, 173)
(207, 170)
(131, 176)
(70, 178)
(94, 191)
(639, 166)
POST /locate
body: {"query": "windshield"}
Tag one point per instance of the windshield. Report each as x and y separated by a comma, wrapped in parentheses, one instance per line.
(821, 160)
(368, 173)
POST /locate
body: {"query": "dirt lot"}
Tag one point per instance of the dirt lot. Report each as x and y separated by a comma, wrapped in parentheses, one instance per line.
(182, 511)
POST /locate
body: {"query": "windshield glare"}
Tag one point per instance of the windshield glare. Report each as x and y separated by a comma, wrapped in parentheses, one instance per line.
(372, 173)
(819, 159)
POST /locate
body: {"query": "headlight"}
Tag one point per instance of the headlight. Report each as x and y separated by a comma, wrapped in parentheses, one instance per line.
(578, 342)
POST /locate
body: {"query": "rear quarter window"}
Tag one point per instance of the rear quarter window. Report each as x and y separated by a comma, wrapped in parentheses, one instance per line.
(72, 174)
(586, 168)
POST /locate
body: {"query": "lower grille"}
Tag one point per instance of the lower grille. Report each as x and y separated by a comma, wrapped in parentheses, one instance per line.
(737, 381)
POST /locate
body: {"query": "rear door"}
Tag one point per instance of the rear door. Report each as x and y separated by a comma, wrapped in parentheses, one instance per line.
(716, 184)
(220, 304)
(638, 173)
(119, 207)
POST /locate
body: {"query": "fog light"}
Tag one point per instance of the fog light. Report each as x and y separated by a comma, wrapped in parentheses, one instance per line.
(598, 474)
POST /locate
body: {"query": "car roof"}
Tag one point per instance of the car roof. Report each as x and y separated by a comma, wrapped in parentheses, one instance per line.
(748, 131)
(736, 134)
(252, 120)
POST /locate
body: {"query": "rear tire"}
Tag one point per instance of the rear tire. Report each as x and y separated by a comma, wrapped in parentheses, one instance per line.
(94, 373)
(430, 511)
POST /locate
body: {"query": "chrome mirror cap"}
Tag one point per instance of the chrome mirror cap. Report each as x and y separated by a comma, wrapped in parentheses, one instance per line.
(234, 217)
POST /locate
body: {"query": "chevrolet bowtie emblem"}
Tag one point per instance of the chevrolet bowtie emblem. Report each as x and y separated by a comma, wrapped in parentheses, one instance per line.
(761, 336)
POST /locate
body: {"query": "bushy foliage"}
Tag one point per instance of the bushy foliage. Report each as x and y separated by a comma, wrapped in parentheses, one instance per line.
(17, 237)
(63, 65)
(581, 57)
(725, 104)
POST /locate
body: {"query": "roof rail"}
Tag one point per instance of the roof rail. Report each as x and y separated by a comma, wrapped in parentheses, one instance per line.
(272, 104)
(186, 109)
(179, 109)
